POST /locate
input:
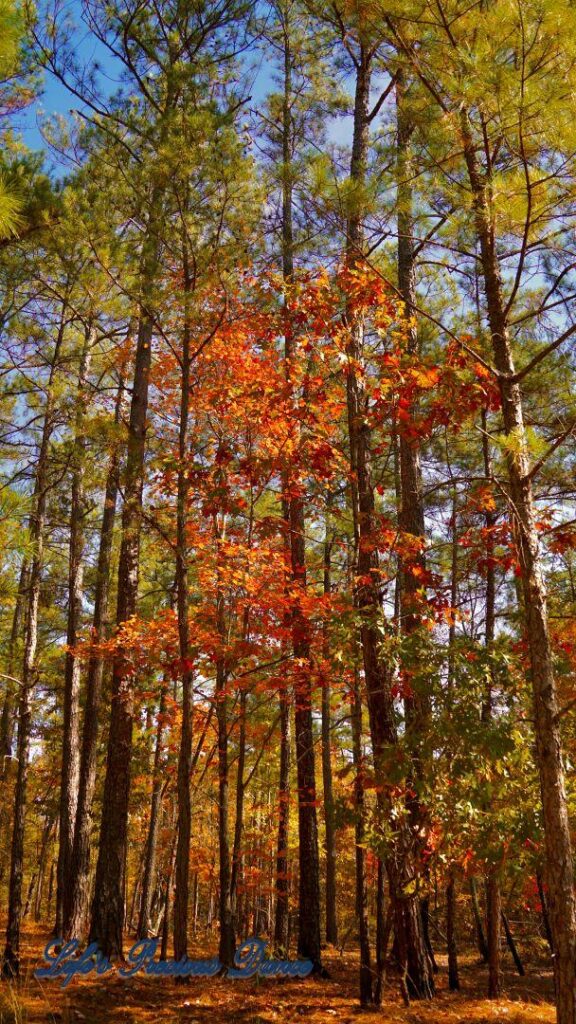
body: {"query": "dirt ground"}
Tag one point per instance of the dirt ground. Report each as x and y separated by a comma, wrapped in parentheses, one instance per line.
(140, 1000)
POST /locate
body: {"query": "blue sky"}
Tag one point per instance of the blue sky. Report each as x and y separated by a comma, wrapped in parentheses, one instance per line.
(55, 99)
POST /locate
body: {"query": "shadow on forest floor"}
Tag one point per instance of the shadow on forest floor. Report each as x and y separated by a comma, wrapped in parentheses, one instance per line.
(219, 1001)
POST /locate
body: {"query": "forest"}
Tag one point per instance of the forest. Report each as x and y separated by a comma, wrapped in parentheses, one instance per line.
(287, 507)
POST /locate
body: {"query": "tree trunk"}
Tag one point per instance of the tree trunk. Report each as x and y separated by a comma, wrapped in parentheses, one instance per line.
(182, 591)
(309, 867)
(559, 860)
(329, 823)
(366, 992)
(227, 944)
(149, 877)
(7, 719)
(512, 946)
(493, 897)
(240, 791)
(75, 922)
(11, 958)
(453, 976)
(544, 911)
(70, 768)
(46, 836)
(480, 937)
(51, 886)
(166, 916)
(411, 518)
(109, 896)
(383, 929)
(417, 980)
(282, 891)
(493, 912)
(309, 874)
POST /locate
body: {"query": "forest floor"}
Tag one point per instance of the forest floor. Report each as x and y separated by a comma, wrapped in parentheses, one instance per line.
(138, 1000)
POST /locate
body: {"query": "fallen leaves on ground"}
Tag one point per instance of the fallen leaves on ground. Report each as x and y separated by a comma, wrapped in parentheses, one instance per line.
(220, 1001)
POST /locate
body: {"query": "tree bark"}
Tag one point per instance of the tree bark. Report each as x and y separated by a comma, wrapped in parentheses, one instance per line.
(383, 929)
(149, 878)
(240, 791)
(453, 976)
(281, 918)
(328, 789)
(70, 767)
(366, 989)
(559, 858)
(493, 912)
(480, 937)
(8, 706)
(46, 836)
(417, 980)
(411, 518)
(227, 944)
(109, 895)
(11, 958)
(309, 867)
(182, 869)
(75, 920)
(167, 893)
(544, 911)
(512, 946)
(493, 896)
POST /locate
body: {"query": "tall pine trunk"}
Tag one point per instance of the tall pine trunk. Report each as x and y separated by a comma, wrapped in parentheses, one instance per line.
(11, 957)
(182, 867)
(79, 880)
(417, 980)
(281, 916)
(70, 768)
(327, 784)
(366, 978)
(309, 866)
(493, 896)
(559, 859)
(240, 793)
(10, 697)
(109, 895)
(453, 975)
(451, 903)
(227, 943)
(411, 518)
(149, 876)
